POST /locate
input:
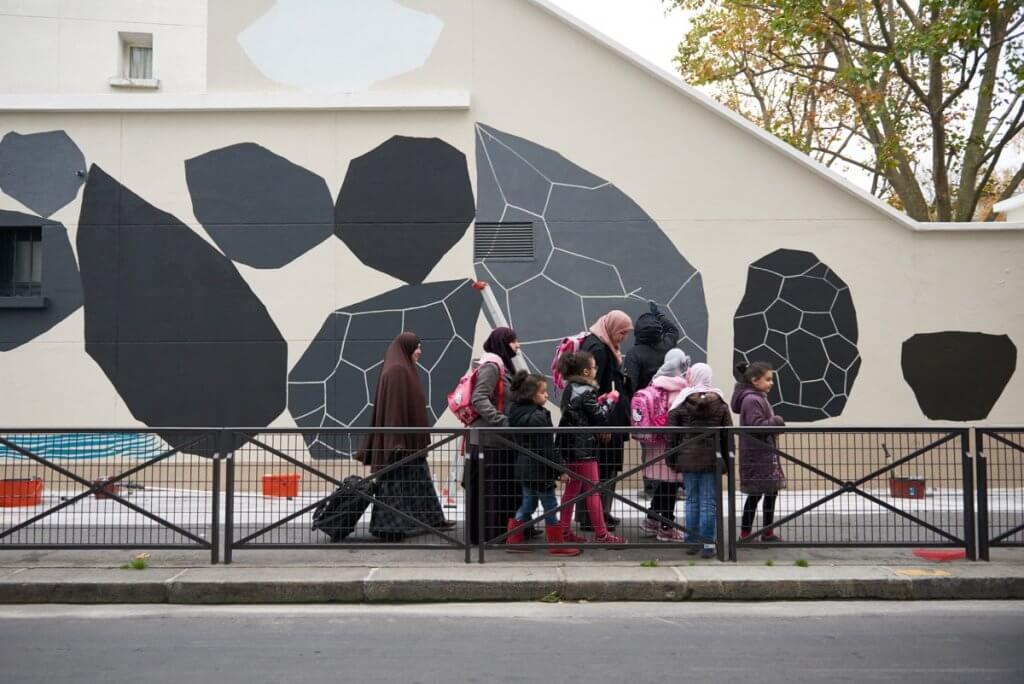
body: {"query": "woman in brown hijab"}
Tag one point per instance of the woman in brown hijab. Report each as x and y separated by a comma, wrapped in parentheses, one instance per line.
(400, 403)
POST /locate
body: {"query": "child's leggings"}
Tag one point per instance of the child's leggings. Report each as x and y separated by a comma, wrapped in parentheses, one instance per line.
(750, 510)
(587, 469)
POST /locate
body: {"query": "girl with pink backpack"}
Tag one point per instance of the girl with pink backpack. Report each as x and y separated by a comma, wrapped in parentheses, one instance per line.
(649, 408)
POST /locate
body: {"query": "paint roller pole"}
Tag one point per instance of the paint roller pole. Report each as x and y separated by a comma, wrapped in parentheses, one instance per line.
(496, 317)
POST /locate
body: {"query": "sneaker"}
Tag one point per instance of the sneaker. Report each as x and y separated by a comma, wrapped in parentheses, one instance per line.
(670, 534)
(771, 538)
(747, 537)
(707, 553)
(573, 538)
(609, 538)
(649, 528)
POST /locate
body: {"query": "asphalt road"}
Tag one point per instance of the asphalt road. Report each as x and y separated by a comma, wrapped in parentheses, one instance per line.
(595, 643)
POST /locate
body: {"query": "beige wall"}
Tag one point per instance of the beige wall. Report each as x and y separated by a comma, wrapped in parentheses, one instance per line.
(72, 46)
(723, 197)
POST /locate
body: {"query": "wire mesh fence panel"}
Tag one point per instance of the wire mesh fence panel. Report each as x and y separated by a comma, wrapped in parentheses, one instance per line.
(571, 488)
(394, 488)
(108, 488)
(1000, 488)
(852, 487)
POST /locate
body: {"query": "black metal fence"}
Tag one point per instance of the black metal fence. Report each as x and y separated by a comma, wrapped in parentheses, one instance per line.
(853, 487)
(461, 490)
(113, 489)
(1000, 488)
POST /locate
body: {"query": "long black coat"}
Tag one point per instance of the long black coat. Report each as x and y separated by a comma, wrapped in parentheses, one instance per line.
(529, 470)
(699, 410)
(654, 335)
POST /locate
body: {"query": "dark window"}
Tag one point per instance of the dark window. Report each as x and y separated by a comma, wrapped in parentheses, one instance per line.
(21, 262)
(503, 242)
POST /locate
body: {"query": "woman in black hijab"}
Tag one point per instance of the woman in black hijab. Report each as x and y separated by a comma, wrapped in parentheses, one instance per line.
(400, 403)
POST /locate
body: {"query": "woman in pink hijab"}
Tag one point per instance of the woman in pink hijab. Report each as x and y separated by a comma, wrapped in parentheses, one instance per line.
(605, 341)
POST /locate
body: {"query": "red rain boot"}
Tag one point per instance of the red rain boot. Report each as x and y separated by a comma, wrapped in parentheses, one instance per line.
(516, 537)
(554, 534)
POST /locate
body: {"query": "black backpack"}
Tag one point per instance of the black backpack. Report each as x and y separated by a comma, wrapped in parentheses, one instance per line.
(337, 515)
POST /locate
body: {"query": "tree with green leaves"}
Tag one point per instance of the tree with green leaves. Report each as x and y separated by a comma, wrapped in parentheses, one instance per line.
(926, 96)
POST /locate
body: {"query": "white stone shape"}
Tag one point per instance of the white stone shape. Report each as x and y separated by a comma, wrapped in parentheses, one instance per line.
(339, 45)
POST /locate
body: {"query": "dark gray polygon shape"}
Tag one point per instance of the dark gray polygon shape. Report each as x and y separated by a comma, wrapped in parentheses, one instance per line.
(608, 253)
(62, 285)
(929, 361)
(443, 314)
(404, 204)
(584, 276)
(752, 327)
(43, 171)
(169, 320)
(812, 333)
(526, 189)
(261, 209)
(554, 166)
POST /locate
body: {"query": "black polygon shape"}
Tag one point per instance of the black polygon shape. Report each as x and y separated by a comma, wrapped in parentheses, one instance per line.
(767, 355)
(192, 344)
(787, 262)
(815, 393)
(43, 171)
(750, 331)
(930, 362)
(814, 323)
(819, 324)
(429, 323)
(260, 209)
(763, 289)
(404, 204)
(61, 283)
(347, 395)
(776, 341)
(808, 294)
(783, 317)
(807, 356)
(369, 335)
(840, 352)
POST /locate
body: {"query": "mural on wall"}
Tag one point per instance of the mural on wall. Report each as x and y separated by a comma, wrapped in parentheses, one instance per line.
(43, 171)
(346, 46)
(170, 321)
(261, 209)
(930, 366)
(798, 315)
(334, 383)
(404, 205)
(62, 285)
(595, 249)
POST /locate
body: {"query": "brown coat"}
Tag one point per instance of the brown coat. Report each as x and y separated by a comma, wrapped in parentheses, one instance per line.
(399, 403)
(699, 410)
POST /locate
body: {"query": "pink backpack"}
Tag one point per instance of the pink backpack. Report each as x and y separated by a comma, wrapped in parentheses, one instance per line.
(568, 344)
(649, 408)
(460, 400)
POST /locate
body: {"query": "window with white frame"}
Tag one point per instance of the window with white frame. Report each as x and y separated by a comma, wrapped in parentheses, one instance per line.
(136, 61)
(21, 261)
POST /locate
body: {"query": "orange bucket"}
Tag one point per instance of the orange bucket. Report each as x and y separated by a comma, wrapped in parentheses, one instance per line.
(26, 491)
(286, 484)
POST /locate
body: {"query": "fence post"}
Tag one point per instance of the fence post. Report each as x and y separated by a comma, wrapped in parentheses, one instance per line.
(968, 469)
(719, 512)
(478, 492)
(229, 501)
(215, 505)
(730, 473)
(982, 464)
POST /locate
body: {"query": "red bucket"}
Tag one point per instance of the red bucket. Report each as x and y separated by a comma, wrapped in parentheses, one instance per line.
(25, 491)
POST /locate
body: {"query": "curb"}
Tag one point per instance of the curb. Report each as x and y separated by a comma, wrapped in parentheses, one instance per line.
(495, 584)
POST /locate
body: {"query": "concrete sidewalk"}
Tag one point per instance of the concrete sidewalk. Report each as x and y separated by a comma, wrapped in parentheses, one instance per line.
(512, 581)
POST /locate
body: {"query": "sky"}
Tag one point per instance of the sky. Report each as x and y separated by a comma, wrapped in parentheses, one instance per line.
(641, 25)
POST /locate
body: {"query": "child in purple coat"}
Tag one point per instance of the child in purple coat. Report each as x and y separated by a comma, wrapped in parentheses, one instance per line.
(761, 473)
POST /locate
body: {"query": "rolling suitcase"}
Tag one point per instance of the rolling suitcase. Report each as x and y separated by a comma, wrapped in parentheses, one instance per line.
(338, 515)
